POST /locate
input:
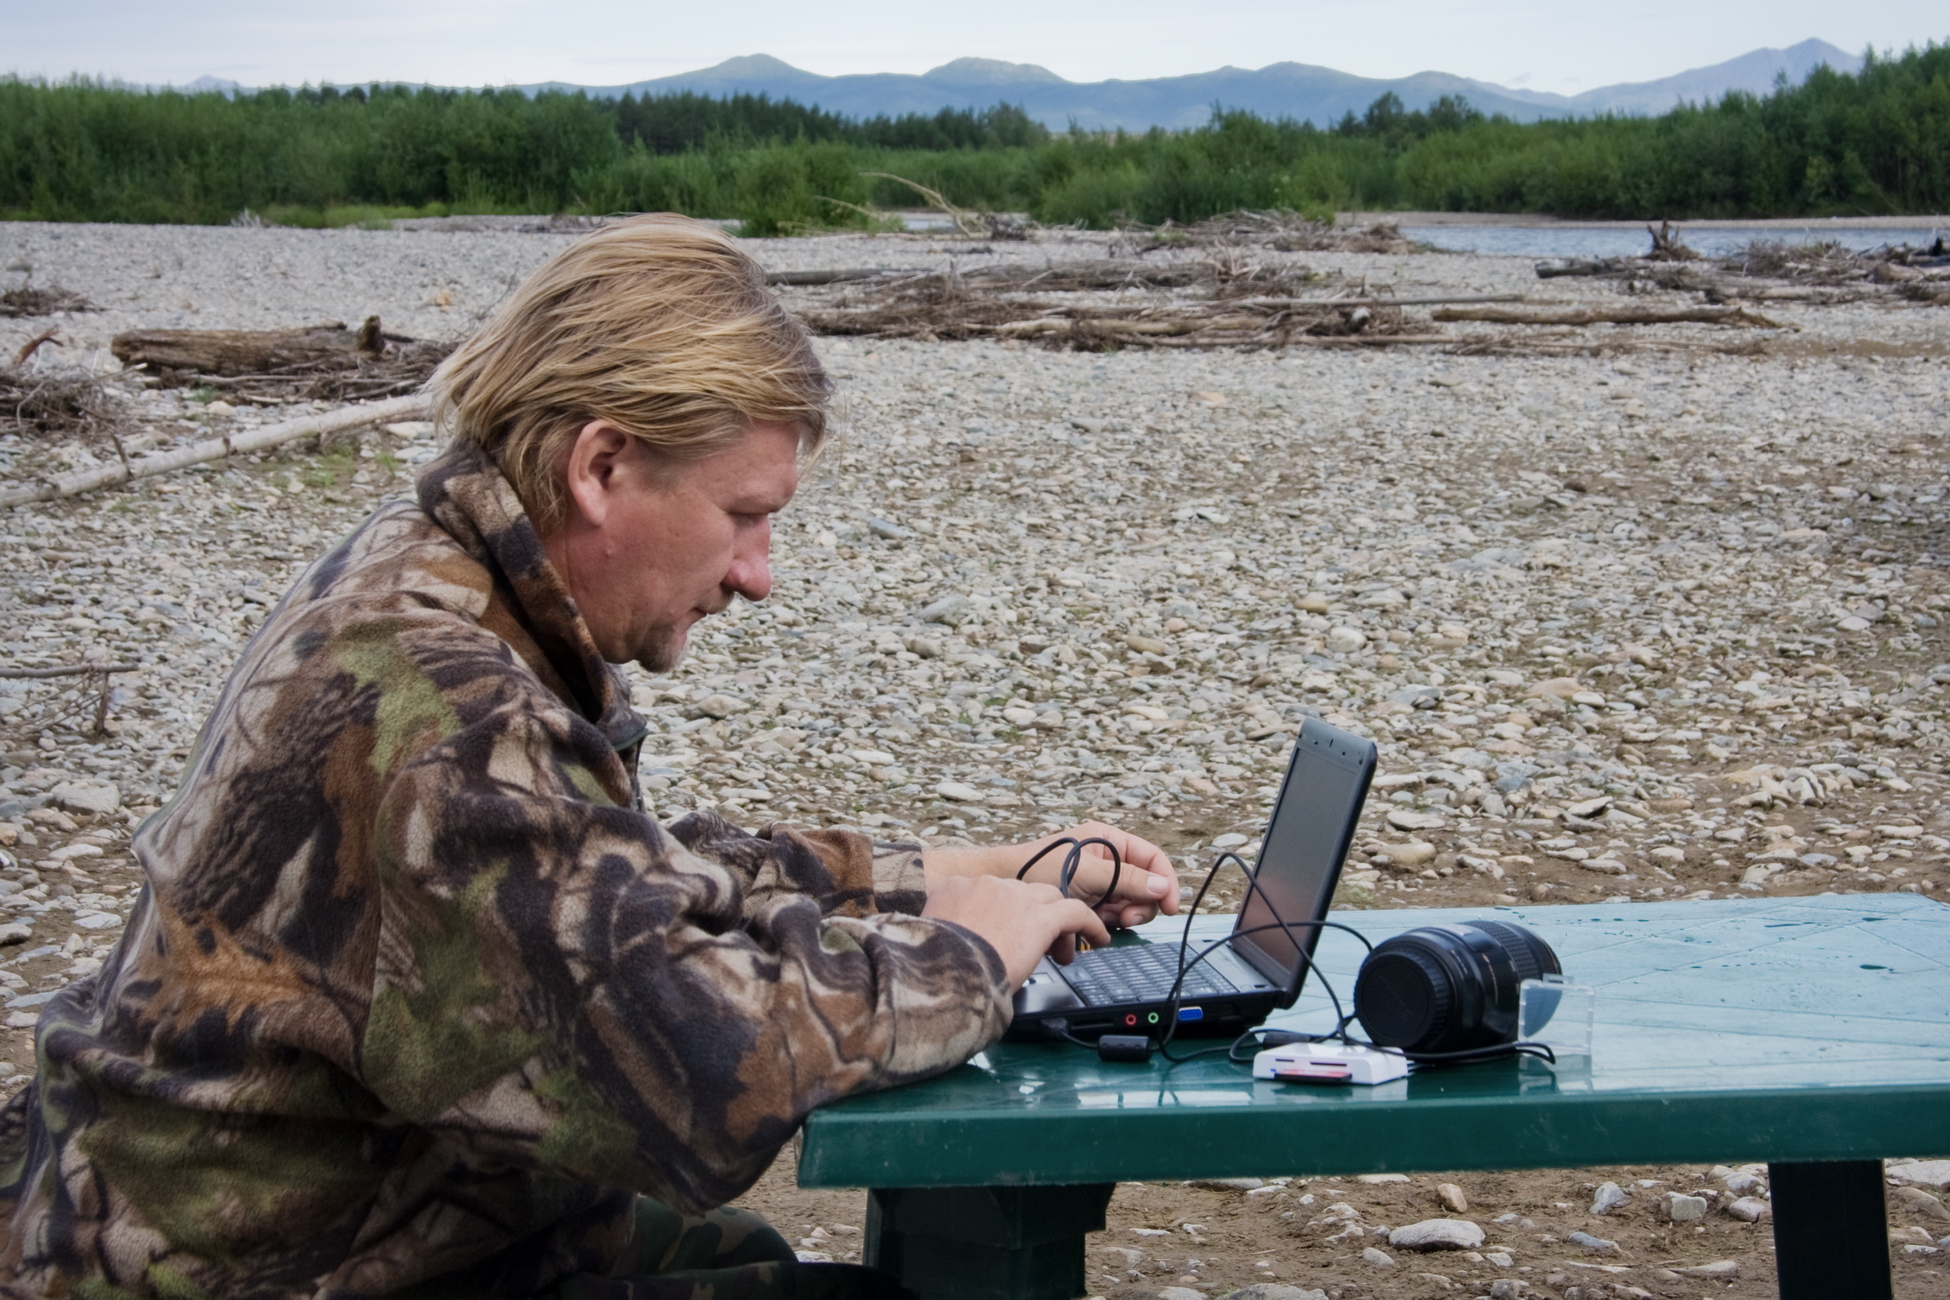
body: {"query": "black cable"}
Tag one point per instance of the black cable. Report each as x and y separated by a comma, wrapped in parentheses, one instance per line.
(1172, 998)
(1279, 923)
(1073, 862)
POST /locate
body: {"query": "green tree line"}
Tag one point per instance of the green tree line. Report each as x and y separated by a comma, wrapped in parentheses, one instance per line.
(1877, 141)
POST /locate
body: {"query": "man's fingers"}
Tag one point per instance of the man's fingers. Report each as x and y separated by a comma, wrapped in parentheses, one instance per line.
(1081, 920)
(1138, 896)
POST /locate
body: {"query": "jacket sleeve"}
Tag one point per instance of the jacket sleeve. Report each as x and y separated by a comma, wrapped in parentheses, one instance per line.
(844, 871)
(563, 984)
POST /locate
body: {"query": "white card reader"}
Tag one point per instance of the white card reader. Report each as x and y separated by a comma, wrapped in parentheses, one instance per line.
(1329, 1063)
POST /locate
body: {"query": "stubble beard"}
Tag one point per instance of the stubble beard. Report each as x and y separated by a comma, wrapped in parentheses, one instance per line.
(665, 652)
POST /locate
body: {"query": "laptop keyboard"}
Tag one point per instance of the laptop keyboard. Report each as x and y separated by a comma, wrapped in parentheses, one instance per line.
(1112, 976)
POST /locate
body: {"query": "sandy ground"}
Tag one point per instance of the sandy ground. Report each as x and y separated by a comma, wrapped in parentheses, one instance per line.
(1632, 613)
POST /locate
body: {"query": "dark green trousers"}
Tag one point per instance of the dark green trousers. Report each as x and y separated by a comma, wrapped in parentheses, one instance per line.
(724, 1254)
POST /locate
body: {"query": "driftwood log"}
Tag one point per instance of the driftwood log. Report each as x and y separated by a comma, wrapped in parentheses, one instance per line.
(1607, 316)
(248, 352)
(358, 417)
(319, 363)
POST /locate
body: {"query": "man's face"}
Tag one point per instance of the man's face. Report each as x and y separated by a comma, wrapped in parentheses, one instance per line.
(653, 545)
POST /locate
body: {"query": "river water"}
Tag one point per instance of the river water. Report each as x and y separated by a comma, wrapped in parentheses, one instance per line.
(1624, 241)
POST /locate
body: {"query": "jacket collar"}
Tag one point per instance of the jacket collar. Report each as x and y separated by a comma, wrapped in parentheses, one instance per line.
(465, 493)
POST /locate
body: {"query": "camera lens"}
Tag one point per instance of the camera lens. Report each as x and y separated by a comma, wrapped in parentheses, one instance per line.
(1449, 988)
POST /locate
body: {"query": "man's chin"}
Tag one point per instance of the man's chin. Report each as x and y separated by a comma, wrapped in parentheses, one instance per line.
(666, 653)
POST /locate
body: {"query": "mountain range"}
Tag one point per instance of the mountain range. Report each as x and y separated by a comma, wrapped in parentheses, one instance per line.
(1296, 90)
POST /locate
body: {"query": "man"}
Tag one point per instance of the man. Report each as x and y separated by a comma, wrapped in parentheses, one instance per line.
(417, 999)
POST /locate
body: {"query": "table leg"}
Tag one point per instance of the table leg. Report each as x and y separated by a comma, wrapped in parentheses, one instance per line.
(985, 1243)
(1831, 1231)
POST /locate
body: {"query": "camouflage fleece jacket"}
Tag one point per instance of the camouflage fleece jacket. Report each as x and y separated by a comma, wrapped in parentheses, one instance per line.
(416, 997)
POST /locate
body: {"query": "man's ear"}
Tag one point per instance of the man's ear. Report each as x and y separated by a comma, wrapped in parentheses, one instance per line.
(591, 471)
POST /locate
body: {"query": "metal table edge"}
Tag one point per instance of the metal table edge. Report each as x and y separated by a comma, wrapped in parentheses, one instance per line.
(1810, 1123)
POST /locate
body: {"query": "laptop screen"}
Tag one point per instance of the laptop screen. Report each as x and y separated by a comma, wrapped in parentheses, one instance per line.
(1308, 836)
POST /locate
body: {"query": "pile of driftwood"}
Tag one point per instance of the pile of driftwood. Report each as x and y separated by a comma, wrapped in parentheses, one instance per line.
(1222, 301)
(27, 301)
(49, 402)
(1278, 229)
(272, 367)
(1773, 271)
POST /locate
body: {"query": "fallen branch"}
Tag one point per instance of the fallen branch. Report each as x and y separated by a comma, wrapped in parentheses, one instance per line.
(966, 223)
(65, 670)
(1584, 266)
(1305, 303)
(824, 277)
(414, 407)
(1608, 316)
(1666, 246)
(91, 671)
(49, 335)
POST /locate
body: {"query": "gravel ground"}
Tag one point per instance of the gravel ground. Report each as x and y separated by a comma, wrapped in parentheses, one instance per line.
(1633, 614)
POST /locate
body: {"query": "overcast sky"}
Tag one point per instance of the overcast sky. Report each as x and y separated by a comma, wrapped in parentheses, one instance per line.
(1555, 45)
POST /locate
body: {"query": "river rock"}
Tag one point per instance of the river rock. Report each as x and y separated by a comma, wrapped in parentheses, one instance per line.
(1921, 1203)
(1409, 855)
(714, 706)
(1275, 1291)
(1438, 1234)
(950, 611)
(87, 796)
(1749, 1209)
(1936, 1173)
(1346, 640)
(1677, 1207)
(1609, 1197)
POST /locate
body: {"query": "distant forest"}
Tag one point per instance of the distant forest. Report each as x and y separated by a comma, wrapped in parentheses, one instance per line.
(1874, 142)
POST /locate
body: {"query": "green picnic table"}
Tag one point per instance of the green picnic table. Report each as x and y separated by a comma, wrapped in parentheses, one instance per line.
(1810, 1033)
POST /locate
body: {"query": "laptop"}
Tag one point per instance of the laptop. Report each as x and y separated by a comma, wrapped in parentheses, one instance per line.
(1125, 989)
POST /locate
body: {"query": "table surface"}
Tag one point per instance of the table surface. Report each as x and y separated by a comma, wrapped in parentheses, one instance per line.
(1743, 1029)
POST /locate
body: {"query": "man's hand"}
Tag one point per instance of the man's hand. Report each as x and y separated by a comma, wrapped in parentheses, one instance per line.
(1147, 885)
(1023, 922)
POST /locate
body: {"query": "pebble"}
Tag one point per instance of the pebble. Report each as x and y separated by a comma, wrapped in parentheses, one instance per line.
(1681, 1208)
(1749, 1209)
(1935, 1173)
(1452, 1198)
(1275, 1291)
(1438, 1234)
(1920, 1202)
(87, 796)
(1408, 855)
(1609, 1197)
(1720, 1270)
(1377, 1258)
(1592, 1245)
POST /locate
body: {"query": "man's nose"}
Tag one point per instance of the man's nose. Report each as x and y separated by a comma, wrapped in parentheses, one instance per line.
(750, 574)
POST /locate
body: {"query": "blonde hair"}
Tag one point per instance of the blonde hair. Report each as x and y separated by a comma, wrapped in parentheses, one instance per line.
(660, 325)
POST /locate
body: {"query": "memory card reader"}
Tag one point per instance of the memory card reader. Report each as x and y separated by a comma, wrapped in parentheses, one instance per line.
(1329, 1063)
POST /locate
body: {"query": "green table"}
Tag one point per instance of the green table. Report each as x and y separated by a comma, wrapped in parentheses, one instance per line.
(1811, 1033)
